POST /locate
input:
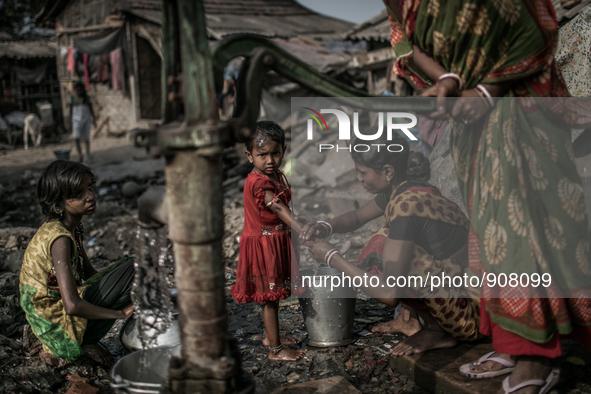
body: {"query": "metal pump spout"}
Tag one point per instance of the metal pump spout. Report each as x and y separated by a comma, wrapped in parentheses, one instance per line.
(191, 204)
(192, 139)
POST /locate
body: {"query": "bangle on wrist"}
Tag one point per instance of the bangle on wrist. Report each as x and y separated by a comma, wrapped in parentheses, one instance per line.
(485, 94)
(327, 226)
(330, 255)
(453, 76)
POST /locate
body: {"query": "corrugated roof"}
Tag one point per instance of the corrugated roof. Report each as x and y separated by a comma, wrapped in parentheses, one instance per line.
(270, 18)
(255, 7)
(276, 26)
(28, 48)
(375, 28)
(220, 25)
(4, 35)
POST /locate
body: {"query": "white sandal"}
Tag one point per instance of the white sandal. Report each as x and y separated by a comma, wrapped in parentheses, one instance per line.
(466, 369)
(545, 385)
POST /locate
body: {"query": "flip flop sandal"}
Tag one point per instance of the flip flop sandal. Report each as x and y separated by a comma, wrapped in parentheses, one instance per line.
(466, 369)
(545, 385)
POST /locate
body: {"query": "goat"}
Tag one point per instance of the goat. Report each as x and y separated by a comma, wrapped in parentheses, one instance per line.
(33, 129)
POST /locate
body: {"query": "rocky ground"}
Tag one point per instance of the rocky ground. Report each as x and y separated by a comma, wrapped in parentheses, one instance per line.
(122, 173)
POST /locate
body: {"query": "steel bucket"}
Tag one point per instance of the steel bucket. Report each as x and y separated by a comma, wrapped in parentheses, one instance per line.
(62, 154)
(130, 376)
(329, 315)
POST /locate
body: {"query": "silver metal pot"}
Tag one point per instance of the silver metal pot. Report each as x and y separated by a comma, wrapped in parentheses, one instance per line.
(129, 335)
(143, 372)
(329, 315)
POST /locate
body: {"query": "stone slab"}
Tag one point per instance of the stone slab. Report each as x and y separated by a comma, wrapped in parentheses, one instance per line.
(334, 385)
(437, 371)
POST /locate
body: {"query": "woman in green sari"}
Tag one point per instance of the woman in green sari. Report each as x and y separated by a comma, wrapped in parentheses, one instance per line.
(515, 168)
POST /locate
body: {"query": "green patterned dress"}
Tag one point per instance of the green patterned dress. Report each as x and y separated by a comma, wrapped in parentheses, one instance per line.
(515, 168)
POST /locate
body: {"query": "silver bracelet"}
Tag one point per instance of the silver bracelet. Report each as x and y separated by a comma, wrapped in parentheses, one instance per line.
(277, 349)
(451, 76)
(326, 225)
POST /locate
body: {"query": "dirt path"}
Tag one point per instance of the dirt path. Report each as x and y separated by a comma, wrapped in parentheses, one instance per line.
(104, 150)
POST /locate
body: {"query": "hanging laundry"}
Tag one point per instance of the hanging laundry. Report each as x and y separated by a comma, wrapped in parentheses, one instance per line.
(86, 73)
(26, 75)
(93, 68)
(71, 60)
(117, 70)
(64, 55)
(103, 69)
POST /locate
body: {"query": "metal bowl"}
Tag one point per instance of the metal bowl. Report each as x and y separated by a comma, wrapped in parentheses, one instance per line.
(172, 336)
(130, 335)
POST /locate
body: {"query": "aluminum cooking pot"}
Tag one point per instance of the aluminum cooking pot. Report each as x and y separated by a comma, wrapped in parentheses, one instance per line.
(143, 372)
(172, 336)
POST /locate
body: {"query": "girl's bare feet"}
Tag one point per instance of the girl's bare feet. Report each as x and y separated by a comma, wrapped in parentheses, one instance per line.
(287, 354)
(283, 340)
(98, 353)
(406, 322)
(422, 341)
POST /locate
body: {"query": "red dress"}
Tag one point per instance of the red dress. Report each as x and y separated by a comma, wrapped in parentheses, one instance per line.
(267, 257)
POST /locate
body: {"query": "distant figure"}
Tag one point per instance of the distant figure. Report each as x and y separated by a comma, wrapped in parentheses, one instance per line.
(81, 114)
(32, 129)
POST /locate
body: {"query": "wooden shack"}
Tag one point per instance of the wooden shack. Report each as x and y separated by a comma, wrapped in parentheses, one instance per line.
(28, 73)
(138, 22)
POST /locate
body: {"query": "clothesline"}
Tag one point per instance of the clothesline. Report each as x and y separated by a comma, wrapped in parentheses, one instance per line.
(114, 57)
(111, 44)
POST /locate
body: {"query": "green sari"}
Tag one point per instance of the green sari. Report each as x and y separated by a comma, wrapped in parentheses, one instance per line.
(515, 168)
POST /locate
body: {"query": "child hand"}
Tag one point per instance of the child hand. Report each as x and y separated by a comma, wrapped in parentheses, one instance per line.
(313, 230)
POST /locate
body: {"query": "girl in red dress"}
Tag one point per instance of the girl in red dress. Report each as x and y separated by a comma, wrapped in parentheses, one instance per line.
(267, 257)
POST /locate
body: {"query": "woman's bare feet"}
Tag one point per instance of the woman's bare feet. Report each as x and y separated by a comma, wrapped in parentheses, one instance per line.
(528, 368)
(422, 341)
(406, 322)
(98, 353)
(287, 355)
(283, 340)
